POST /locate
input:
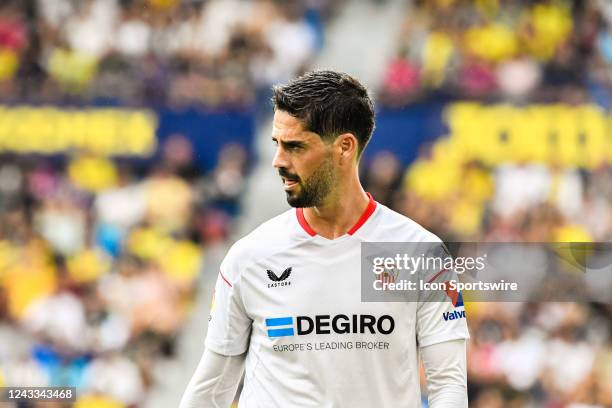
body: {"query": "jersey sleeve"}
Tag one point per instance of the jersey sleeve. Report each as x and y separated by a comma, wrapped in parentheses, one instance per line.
(440, 313)
(229, 325)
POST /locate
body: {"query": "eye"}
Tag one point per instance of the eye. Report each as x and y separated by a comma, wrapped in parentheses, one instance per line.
(275, 142)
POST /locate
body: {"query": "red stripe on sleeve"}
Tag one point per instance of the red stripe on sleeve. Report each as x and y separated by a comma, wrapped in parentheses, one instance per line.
(436, 275)
(225, 279)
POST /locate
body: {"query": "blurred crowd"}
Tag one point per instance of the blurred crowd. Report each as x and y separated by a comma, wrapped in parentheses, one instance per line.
(540, 354)
(544, 354)
(98, 265)
(99, 258)
(169, 52)
(519, 50)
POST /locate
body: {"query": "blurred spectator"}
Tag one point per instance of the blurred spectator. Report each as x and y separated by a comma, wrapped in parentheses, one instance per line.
(227, 182)
(122, 206)
(383, 177)
(401, 83)
(115, 376)
(168, 200)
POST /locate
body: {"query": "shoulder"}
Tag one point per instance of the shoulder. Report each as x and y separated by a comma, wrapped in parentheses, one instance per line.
(270, 237)
(390, 226)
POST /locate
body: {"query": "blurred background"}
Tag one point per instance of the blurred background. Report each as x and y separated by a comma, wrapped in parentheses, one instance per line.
(134, 149)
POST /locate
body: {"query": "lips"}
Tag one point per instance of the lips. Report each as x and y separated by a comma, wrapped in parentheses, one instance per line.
(289, 182)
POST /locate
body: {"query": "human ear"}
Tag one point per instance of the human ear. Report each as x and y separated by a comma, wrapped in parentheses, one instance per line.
(347, 146)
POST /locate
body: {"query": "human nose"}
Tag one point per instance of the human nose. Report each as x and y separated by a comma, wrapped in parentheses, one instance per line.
(280, 159)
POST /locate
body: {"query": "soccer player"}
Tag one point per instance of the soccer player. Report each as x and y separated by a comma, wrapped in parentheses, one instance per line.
(287, 304)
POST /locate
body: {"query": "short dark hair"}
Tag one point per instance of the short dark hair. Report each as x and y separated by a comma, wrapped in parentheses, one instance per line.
(328, 103)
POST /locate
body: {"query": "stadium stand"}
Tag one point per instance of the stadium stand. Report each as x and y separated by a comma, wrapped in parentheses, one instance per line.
(99, 255)
(98, 272)
(497, 66)
(173, 52)
(537, 51)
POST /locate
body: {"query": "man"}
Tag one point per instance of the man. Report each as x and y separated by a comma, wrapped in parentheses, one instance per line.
(288, 297)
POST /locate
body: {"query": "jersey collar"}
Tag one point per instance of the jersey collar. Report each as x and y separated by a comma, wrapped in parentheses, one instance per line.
(362, 219)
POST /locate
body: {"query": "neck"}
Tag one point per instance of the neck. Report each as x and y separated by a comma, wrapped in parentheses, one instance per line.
(340, 211)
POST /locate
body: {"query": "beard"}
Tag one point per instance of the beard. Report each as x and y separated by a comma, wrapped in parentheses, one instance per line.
(312, 191)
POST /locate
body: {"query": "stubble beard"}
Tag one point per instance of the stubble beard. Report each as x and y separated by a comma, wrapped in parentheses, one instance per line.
(313, 191)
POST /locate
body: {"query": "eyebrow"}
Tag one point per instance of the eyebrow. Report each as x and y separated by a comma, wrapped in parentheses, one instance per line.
(290, 143)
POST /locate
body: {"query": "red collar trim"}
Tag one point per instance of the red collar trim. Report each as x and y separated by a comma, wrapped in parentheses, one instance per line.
(364, 217)
(362, 220)
(304, 223)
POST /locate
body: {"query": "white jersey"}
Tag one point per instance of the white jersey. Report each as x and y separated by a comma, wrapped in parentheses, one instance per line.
(292, 299)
